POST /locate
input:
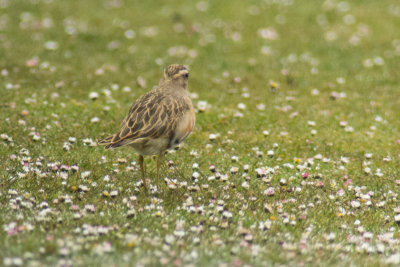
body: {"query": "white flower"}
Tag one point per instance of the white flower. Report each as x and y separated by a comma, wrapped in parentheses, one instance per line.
(268, 33)
(368, 155)
(202, 106)
(241, 106)
(195, 175)
(355, 204)
(367, 170)
(379, 61)
(234, 170)
(260, 107)
(130, 34)
(315, 91)
(245, 185)
(311, 123)
(93, 95)
(51, 45)
(393, 259)
(102, 248)
(269, 191)
(85, 174)
(213, 136)
(330, 237)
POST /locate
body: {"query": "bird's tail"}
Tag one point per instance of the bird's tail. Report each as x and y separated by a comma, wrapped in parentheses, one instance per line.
(109, 142)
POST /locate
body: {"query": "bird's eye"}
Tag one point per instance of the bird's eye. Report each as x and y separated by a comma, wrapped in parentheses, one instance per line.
(186, 75)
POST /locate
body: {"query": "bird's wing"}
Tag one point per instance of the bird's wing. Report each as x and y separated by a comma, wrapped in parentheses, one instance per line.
(153, 115)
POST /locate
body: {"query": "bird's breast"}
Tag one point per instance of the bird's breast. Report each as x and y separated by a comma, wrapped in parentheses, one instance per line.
(184, 127)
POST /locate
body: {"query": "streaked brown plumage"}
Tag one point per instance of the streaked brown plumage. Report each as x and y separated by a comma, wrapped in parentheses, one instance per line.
(158, 120)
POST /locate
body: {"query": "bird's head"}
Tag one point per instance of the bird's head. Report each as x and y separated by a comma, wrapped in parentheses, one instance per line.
(177, 75)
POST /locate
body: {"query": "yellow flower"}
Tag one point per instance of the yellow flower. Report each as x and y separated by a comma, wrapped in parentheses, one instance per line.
(273, 84)
(74, 188)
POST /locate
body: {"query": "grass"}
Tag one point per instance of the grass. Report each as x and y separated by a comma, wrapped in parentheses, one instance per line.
(322, 186)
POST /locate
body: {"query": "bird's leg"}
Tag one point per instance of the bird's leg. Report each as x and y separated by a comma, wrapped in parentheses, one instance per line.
(141, 163)
(160, 156)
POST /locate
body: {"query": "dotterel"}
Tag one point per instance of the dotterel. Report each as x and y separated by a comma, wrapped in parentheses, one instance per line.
(158, 120)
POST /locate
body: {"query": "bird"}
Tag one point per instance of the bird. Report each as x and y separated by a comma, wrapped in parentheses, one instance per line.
(159, 120)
